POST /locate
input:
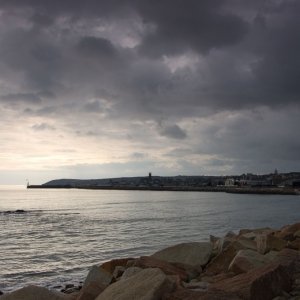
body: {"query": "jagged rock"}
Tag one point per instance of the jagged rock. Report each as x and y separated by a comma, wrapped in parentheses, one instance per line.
(246, 260)
(216, 244)
(291, 258)
(90, 291)
(287, 232)
(192, 254)
(256, 231)
(294, 244)
(167, 268)
(33, 292)
(148, 284)
(217, 278)
(185, 294)
(263, 283)
(220, 295)
(267, 242)
(297, 234)
(292, 228)
(221, 262)
(119, 270)
(188, 294)
(99, 276)
(109, 266)
(130, 271)
(197, 285)
(230, 234)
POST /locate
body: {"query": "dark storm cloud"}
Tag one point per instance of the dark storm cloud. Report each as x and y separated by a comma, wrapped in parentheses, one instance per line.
(93, 106)
(172, 131)
(256, 62)
(170, 60)
(200, 26)
(96, 48)
(21, 97)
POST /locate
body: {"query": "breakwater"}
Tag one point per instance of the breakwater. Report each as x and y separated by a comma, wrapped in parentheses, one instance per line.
(226, 189)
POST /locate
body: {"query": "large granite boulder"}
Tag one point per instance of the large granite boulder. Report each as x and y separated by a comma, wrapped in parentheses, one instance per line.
(294, 244)
(187, 294)
(130, 272)
(148, 284)
(98, 276)
(288, 232)
(268, 242)
(263, 283)
(90, 291)
(33, 292)
(246, 260)
(166, 267)
(221, 262)
(195, 254)
(110, 266)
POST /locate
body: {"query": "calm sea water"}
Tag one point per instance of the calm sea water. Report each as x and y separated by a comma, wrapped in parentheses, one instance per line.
(64, 232)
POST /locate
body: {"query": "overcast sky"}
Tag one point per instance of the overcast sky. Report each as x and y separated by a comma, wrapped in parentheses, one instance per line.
(109, 88)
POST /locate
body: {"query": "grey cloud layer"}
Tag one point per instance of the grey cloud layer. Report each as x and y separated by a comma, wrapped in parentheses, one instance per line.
(176, 61)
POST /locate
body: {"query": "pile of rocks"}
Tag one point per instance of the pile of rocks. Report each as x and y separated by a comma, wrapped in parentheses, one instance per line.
(258, 264)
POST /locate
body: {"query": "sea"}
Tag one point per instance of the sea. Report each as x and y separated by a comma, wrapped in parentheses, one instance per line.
(62, 233)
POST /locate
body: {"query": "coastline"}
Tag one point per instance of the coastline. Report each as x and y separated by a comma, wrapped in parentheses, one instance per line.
(261, 263)
(229, 189)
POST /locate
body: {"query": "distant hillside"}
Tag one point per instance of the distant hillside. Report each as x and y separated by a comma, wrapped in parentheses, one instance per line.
(137, 181)
(283, 179)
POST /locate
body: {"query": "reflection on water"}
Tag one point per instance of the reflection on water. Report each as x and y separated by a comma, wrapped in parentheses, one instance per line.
(63, 232)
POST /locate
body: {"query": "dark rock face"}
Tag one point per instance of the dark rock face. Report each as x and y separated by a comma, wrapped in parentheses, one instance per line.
(13, 212)
(260, 284)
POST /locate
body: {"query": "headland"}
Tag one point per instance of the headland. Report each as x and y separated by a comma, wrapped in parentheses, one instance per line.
(283, 184)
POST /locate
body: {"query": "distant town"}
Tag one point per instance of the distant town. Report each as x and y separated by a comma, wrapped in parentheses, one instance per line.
(268, 183)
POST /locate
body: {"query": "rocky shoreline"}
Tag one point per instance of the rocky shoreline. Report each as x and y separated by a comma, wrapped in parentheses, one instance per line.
(256, 264)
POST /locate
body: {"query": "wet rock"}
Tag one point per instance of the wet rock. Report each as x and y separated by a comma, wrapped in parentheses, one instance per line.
(268, 242)
(14, 212)
(34, 292)
(263, 283)
(288, 232)
(217, 278)
(188, 294)
(119, 270)
(221, 262)
(184, 294)
(99, 276)
(294, 244)
(197, 285)
(256, 231)
(91, 291)
(110, 266)
(292, 228)
(289, 257)
(167, 268)
(192, 254)
(130, 272)
(246, 260)
(71, 288)
(148, 284)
